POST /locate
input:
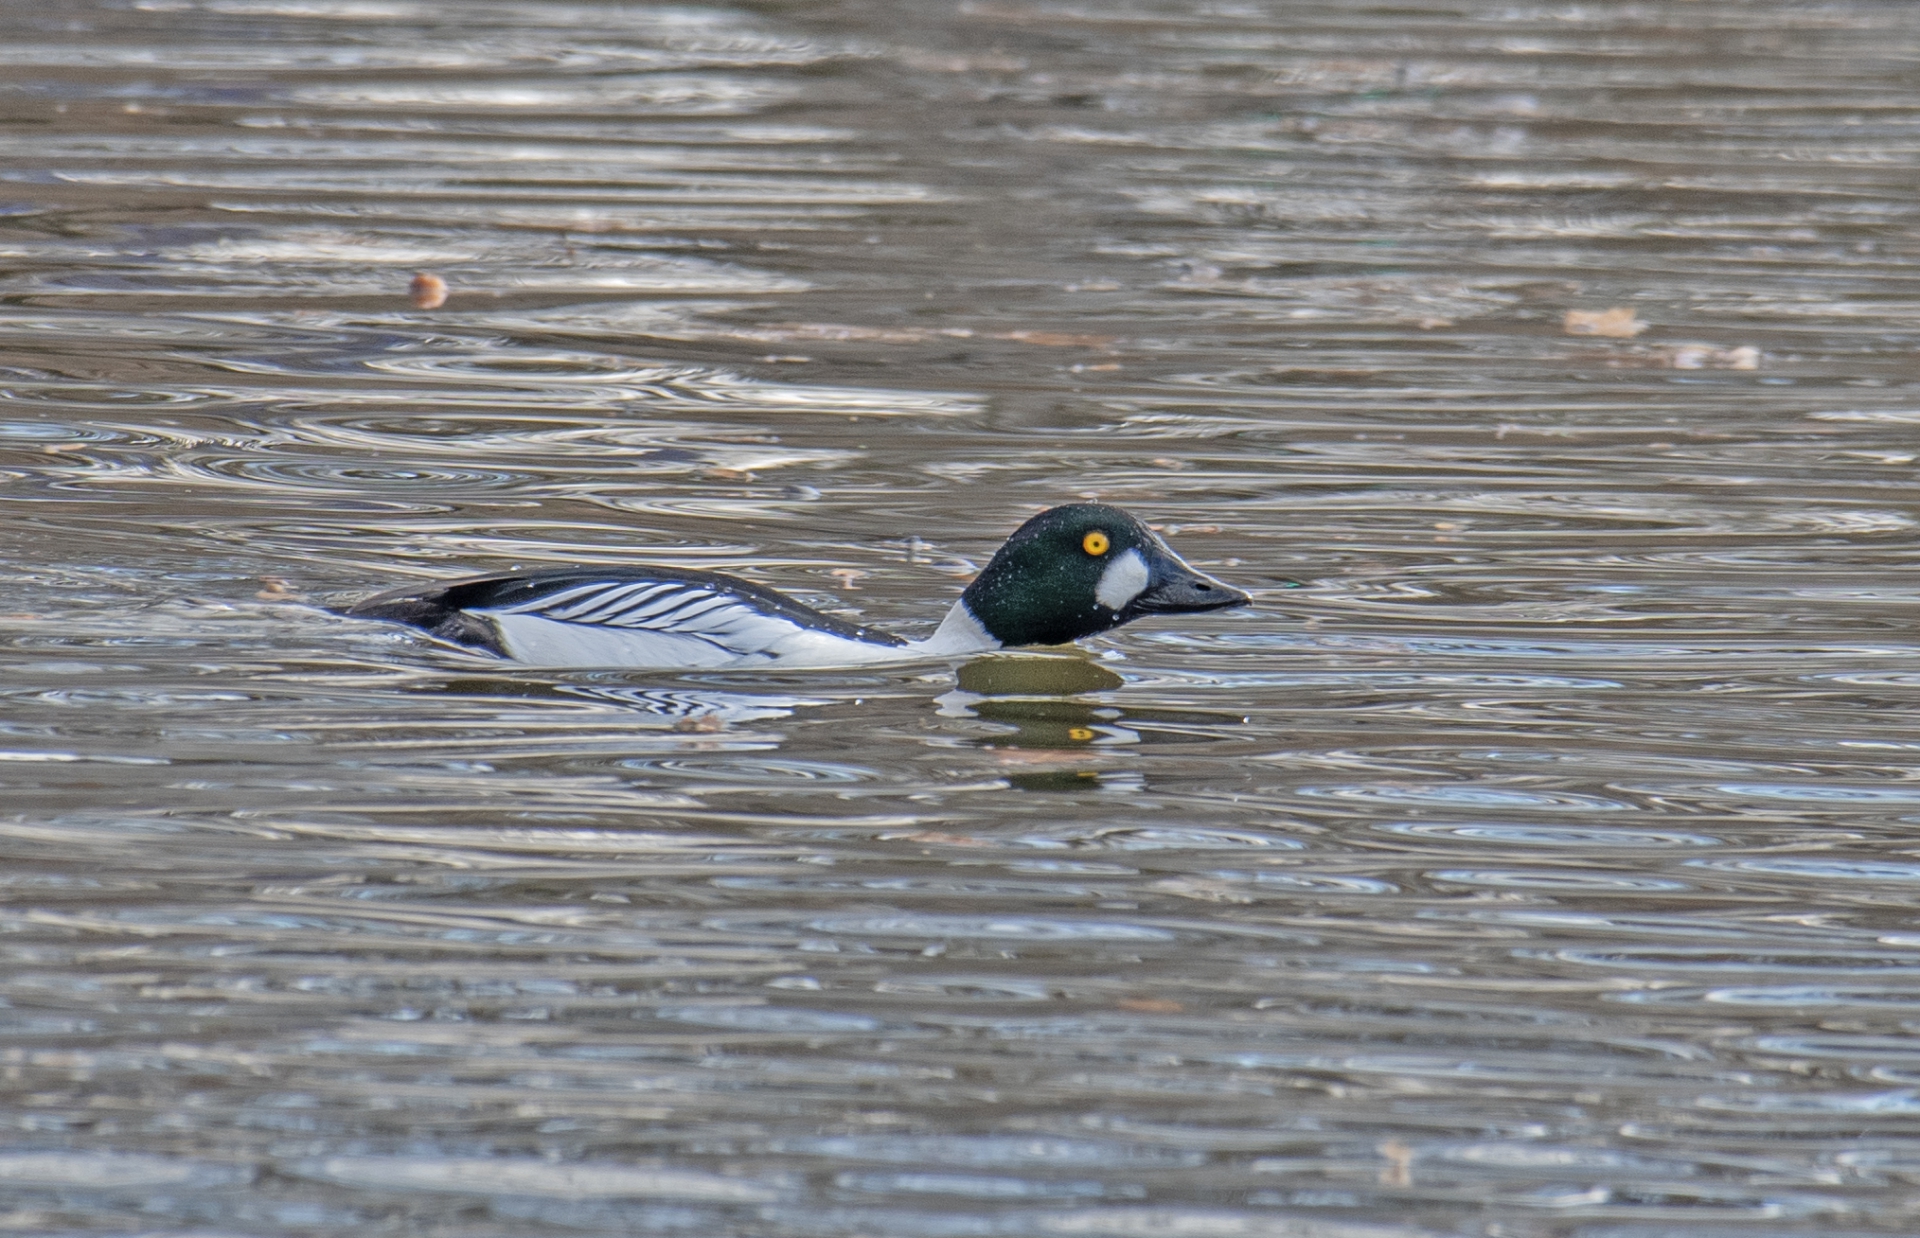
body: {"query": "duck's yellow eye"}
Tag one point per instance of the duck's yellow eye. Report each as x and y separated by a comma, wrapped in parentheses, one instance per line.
(1095, 543)
(1081, 733)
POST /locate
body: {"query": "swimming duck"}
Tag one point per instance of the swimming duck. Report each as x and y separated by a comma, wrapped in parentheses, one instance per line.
(1069, 572)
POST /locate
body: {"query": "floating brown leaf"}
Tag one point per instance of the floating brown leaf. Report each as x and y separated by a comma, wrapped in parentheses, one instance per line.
(1617, 323)
(427, 291)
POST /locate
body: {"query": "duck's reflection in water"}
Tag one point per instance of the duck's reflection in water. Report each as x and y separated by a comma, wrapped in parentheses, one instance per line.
(685, 709)
(675, 708)
(1043, 738)
(1044, 734)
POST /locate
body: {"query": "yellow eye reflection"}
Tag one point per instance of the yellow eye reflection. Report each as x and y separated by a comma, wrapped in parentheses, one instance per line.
(1081, 733)
(1095, 543)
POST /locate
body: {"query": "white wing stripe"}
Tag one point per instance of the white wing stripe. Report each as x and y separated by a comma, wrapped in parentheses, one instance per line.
(547, 601)
(681, 619)
(610, 608)
(683, 606)
(626, 604)
(656, 623)
(580, 610)
(653, 603)
(662, 610)
(641, 595)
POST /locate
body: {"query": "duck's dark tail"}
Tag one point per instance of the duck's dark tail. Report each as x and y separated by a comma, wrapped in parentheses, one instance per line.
(437, 610)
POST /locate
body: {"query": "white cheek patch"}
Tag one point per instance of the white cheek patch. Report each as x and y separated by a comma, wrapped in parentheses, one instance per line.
(1124, 580)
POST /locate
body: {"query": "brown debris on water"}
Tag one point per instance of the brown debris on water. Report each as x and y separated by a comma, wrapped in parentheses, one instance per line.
(1674, 357)
(1618, 323)
(1398, 1170)
(1704, 357)
(427, 291)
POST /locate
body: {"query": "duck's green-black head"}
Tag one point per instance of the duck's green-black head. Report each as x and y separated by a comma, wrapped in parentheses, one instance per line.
(1077, 570)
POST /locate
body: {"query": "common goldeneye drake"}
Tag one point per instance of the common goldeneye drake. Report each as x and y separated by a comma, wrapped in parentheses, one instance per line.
(1069, 572)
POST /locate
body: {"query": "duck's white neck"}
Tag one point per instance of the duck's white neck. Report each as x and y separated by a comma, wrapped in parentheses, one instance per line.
(958, 633)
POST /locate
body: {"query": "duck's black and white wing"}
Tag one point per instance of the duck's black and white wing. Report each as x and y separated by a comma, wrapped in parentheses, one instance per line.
(635, 617)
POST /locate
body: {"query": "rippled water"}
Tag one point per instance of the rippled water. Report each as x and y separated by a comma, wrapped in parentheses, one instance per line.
(1536, 858)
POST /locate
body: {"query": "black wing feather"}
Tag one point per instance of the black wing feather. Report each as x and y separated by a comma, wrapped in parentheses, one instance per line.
(444, 610)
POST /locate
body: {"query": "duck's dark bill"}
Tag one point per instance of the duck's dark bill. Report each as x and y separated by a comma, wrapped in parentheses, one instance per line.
(1176, 589)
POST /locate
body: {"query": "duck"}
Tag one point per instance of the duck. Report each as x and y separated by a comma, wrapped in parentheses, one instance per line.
(1068, 573)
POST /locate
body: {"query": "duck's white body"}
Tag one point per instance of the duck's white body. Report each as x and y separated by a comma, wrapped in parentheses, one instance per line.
(624, 624)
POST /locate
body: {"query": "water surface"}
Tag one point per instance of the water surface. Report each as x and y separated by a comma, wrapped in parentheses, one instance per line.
(1536, 858)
